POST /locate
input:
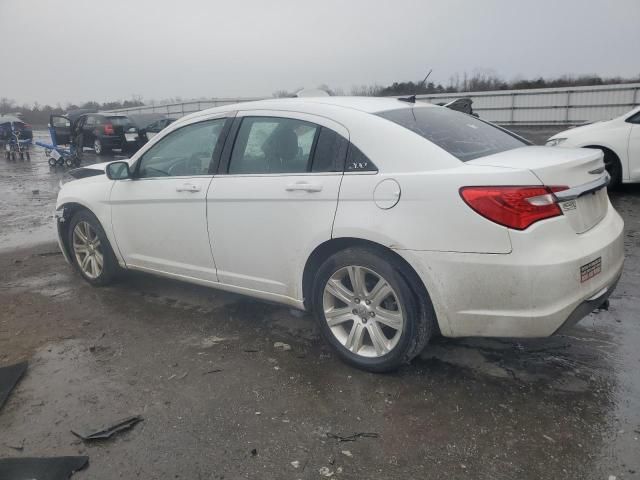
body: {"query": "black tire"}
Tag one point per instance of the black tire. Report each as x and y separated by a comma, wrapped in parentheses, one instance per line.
(614, 168)
(99, 148)
(110, 268)
(52, 162)
(417, 328)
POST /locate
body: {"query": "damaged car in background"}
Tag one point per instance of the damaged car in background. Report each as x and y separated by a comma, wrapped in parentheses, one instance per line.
(392, 221)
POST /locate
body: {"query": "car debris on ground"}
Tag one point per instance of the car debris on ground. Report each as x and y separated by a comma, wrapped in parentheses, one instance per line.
(9, 378)
(107, 431)
(283, 347)
(353, 437)
(46, 468)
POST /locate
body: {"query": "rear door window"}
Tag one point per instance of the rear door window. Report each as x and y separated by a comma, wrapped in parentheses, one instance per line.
(463, 136)
(273, 145)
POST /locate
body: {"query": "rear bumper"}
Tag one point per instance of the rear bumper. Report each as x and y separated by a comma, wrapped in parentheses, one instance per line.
(588, 306)
(112, 141)
(531, 292)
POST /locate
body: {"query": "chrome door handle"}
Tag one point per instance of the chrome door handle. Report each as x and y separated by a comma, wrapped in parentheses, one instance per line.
(188, 187)
(304, 187)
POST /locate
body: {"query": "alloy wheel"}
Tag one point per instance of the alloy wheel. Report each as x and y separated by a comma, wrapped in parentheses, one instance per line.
(97, 147)
(88, 250)
(363, 311)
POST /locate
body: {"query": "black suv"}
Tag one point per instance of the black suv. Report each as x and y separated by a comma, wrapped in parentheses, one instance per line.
(104, 132)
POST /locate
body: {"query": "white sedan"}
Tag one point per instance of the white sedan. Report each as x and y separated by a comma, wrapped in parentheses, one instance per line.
(392, 221)
(618, 138)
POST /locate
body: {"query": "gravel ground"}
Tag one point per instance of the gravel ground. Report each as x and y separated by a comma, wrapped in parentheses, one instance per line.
(220, 401)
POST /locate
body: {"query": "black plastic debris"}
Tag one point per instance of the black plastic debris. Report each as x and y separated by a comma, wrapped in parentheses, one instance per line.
(352, 438)
(53, 468)
(9, 377)
(107, 431)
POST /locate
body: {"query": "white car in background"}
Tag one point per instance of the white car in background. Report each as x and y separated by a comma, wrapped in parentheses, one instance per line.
(390, 220)
(619, 139)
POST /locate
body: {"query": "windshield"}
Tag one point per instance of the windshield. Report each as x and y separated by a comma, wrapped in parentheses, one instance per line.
(463, 136)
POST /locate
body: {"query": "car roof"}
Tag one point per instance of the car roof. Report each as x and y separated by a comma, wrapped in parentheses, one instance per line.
(364, 104)
(319, 104)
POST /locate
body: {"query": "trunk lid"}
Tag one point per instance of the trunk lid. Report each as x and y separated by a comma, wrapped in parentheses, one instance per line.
(585, 202)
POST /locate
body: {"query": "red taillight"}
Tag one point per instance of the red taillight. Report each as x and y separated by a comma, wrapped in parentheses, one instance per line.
(108, 129)
(513, 207)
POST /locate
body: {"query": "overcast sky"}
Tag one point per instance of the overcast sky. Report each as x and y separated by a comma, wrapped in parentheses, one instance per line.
(79, 50)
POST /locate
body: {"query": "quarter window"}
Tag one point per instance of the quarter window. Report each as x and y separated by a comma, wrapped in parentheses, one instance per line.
(273, 145)
(187, 151)
(358, 161)
(330, 152)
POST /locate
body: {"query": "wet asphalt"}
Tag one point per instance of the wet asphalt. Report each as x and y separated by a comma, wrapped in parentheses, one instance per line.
(219, 400)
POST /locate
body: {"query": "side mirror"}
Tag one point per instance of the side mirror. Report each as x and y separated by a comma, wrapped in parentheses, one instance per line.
(118, 171)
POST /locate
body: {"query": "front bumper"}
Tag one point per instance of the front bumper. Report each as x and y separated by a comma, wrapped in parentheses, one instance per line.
(531, 292)
(60, 218)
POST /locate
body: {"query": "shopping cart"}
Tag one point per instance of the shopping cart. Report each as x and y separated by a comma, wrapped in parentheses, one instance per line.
(13, 141)
(65, 152)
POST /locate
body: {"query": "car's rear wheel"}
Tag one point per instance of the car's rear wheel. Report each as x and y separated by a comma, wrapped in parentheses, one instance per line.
(97, 147)
(90, 249)
(367, 311)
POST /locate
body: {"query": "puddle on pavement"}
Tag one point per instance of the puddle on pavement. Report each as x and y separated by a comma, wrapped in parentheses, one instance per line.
(29, 191)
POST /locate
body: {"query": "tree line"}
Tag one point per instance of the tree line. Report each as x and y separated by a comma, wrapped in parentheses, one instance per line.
(478, 81)
(37, 114)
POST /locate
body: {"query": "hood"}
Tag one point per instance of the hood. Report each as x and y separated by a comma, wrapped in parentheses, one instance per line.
(92, 170)
(582, 128)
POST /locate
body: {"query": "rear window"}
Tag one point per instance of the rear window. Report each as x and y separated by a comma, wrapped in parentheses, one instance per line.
(120, 121)
(463, 136)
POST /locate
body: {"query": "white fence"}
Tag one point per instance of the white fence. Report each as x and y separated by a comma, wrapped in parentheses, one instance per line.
(549, 106)
(177, 110)
(544, 106)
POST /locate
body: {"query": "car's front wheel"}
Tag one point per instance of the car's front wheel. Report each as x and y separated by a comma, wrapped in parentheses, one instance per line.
(367, 311)
(90, 249)
(614, 168)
